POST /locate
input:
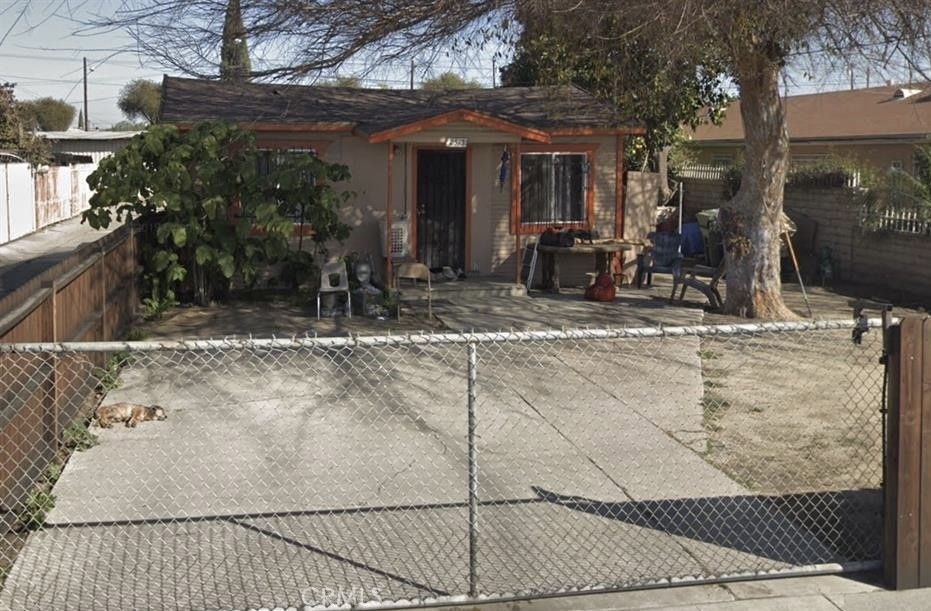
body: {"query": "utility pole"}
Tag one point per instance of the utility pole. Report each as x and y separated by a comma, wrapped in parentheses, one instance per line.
(412, 74)
(87, 122)
(494, 74)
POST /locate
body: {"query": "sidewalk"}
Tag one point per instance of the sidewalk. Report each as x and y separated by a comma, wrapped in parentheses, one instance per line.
(23, 259)
(819, 593)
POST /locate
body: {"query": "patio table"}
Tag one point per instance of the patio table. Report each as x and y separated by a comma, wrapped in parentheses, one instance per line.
(601, 249)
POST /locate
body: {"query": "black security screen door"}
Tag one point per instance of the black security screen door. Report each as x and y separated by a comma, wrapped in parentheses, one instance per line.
(441, 201)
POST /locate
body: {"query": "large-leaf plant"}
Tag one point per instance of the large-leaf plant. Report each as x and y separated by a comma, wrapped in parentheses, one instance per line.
(209, 216)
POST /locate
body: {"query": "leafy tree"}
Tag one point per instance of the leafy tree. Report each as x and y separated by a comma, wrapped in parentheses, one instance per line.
(49, 114)
(748, 43)
(202, 194)
(128, 126)
(351, 82)
(234, 53)
(16, 135)
(898, 189)
(141, 99)
(632, 77)
(447, 81)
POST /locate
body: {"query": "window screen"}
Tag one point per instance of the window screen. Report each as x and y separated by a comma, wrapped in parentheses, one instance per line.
(552, 189)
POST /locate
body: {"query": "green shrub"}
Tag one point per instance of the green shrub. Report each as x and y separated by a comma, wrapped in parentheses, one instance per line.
(153, 308)
(77, 437)
(38, 504)
(211, 216)
(136, 335)
(52, 473)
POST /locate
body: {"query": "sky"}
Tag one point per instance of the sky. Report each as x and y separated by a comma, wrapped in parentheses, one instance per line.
(43, 52)
(43, 46)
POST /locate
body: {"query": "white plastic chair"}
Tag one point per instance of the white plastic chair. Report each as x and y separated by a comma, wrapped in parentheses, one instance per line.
(414, 272)
(335, 268)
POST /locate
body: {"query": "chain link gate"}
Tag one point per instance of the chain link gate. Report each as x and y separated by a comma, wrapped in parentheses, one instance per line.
(375, 470)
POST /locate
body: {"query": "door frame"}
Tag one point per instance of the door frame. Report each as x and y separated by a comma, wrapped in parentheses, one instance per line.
(415, 149)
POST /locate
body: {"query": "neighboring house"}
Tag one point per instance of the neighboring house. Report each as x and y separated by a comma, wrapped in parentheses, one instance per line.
(878, 126)
(463, 175)
(79, 146)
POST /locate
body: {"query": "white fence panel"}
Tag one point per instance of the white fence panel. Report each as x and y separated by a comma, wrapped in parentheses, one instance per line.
(31, 200)
(703, 171)
(80, 192)
(17, 201)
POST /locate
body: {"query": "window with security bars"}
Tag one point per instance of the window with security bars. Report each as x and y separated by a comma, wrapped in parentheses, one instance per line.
(268, 160)
(553, 188)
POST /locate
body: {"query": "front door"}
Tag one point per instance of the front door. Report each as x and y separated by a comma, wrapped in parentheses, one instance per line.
(441, 207)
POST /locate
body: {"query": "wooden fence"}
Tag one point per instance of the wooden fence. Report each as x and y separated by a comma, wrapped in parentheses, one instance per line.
(907, 479)
(90, 296)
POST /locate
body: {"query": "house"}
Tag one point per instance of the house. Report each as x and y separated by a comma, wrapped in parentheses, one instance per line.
(79, 146)
(461, 177)
(878, 126)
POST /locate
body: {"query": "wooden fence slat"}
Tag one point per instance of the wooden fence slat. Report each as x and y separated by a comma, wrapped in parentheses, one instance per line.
(907, 476)
(924, 396)
(909, 453)
(891, 463)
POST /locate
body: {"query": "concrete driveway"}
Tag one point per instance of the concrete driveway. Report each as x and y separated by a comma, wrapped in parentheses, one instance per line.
(284, 476)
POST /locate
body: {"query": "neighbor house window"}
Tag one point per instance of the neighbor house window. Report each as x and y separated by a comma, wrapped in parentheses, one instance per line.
(722, 160)
(921, 169)
(554, 188)
(807, 161)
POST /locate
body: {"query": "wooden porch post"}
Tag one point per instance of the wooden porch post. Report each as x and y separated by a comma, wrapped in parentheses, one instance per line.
(617, 264)
(515, 209)
(620, 151)
(389, 212)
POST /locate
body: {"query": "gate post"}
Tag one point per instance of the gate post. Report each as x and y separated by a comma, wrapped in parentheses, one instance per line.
(473, 476)
(907, 477)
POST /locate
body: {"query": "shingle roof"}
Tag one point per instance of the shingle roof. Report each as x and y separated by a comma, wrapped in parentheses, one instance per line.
(838, 115)
(374, 110)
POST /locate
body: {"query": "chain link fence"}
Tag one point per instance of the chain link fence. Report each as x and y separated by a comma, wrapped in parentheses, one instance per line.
(334, 471)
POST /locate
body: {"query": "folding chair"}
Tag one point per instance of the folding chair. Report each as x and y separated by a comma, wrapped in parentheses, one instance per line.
(331, 269)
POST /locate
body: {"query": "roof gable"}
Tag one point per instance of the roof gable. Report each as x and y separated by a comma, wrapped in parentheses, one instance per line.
(455, 116)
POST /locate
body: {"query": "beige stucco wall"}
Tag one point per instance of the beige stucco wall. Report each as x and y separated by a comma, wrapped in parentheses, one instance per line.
(368, 164)
(485, 159)
(493, 246)
(642, 197)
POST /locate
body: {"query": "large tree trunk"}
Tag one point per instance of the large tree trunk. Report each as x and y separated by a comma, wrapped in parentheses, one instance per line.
(752, 221)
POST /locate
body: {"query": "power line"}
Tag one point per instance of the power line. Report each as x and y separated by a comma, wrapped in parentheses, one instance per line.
(62, 58)
(20, 16)
(32, 79)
